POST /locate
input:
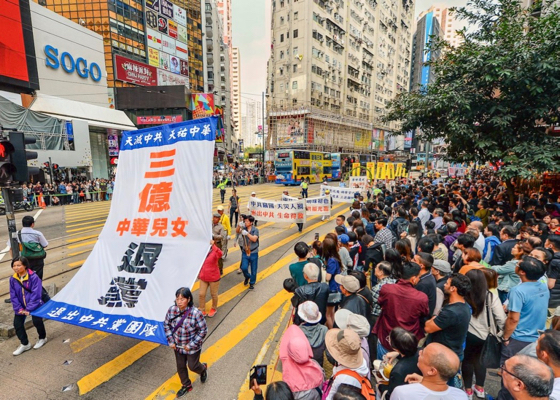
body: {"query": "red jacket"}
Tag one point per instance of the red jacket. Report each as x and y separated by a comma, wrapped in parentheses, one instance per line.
(210, 272)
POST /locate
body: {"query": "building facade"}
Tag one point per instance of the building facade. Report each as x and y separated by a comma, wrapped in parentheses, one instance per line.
(333, 68)
(427, 27)
(236, 92)
(447, 22)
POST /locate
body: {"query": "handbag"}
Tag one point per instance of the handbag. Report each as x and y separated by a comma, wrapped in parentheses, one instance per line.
(334, 298)
(31, 251)
(44, 294)
(492, 348)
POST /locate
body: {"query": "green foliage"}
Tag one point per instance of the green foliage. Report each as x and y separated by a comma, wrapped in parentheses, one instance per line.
(493, 95)
(251, 150)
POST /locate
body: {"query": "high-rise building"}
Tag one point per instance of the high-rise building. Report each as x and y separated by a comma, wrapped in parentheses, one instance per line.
(250, 123)
(236, 91)
(224, 9)
(171, 28)
(334, 66)
(447, 22)
(427, 27)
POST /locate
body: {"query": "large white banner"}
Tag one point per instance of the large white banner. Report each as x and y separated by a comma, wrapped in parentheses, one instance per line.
(358, 182)
(156, 236)
(277, 211)
(314, 205)
(339, 194)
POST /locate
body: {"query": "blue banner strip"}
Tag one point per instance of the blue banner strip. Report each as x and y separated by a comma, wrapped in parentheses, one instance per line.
(125, 325)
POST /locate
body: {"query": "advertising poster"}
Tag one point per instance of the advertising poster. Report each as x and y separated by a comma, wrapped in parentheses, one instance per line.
(362, 139)
(158, 119)
(161, 211)
(151, 19)
(153, 57)
(168, 44)
(378, 139)
(153, 5)
(202, 105)
(180, 15)
(154, 38)
(172, 28)
(182, 33)
(291, 131)
(162, 24)
(113, 142)
(166, 78)
(131, 71)
(174, 65)
(164, 60)
(181, 50)
(166, 8)
(184, 67)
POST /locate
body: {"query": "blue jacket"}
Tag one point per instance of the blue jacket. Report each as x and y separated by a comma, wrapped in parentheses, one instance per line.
(489, 244)
(22, 300)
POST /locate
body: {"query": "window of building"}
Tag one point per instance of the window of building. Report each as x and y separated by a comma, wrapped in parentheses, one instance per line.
(281, 20)
(281, 37)
(296, 51)
(296, 16)
(281, 55)
(295, 67)
(295, 33)
(294, 85)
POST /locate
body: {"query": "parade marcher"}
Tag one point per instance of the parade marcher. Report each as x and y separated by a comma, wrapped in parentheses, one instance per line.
(25, 294)
(253, 195)
(219, 235)
(248, 240)
(222, 186)
(28, 235)
(234, 206)
(209, 276)
(224, 220)
(185, 329)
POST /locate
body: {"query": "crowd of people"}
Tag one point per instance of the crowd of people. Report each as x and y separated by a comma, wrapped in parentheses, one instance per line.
(69, 192)
(423, 288)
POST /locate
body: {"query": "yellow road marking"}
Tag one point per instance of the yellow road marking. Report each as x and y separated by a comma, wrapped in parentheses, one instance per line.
(219, 349)
(87, 227)
(88, 340)
(82, 244)
(113, 367)
(81, 238)
(87, 218)
(91, 220)
(77, 253)
(244, 392)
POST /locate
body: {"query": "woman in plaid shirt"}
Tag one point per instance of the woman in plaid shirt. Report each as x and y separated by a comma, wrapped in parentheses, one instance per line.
(185, 329)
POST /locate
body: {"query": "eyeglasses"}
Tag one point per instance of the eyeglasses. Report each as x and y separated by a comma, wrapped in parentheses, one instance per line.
(503, 368)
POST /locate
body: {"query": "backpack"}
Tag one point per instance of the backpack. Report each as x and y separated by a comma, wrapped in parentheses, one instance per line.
(31, 251)
(402, 226)
(367, 390)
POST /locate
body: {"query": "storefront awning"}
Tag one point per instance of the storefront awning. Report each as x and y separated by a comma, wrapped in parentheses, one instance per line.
(94, 115)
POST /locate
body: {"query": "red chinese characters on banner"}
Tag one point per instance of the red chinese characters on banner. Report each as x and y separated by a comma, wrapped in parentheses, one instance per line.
(154, 198)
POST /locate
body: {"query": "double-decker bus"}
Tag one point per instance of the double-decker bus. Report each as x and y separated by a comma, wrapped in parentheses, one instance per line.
(294, 165)
(336, 167)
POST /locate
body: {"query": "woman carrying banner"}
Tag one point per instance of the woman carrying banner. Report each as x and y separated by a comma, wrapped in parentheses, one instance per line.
(210, 277)
(185, 329)
(26, 290)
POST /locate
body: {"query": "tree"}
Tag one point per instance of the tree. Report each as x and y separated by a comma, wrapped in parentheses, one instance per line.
(251, 150)
(493, 96)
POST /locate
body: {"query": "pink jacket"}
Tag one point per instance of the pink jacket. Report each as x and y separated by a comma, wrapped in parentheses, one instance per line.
(210, 272)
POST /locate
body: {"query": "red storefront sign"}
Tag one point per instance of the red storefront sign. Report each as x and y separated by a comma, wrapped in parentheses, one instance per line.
(158, 119)
(128, 70)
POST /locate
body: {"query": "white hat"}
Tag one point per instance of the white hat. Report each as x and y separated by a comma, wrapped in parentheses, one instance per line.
(309, 312)
(252, 193)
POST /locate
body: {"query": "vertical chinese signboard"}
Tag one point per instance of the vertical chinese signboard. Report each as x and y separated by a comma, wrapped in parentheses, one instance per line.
(160, 217)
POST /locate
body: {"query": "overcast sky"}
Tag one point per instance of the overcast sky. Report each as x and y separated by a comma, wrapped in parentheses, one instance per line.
(251, 33)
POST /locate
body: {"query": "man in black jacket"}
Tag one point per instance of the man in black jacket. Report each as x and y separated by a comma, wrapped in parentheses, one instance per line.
(502, 252)
(349, 286)
(317, 292)
(553, 272)
(374, 255)
(427, 282)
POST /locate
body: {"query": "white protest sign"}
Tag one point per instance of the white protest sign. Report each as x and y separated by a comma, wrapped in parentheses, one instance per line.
(358, 182)
(277, 211)
(156, 236)
(339, 194)
(315, 205)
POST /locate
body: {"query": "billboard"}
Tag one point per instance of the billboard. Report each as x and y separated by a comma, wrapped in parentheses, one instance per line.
(131, 71)
(158, 119)
(17, 51)
(166, 78)
(291, 131)
(202, 105)
(362, 139)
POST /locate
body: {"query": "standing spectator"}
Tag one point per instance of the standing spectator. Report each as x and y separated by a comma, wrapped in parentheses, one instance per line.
(441, 271)
(234, 206)
(25, 294)
(528, 306)
(384, 234)
(492, 234)
(507, 275)
(28, 234)
(185, 329)
(526, 378)
(62, 192)
(476, 228)
(314, 291)
(209, 276)
(219, 236)
(391, 298)
(353, 302)
(424, 214)
(553, 273)
(502, 252)
(437, 218)
(427, 282)
(248, 239)
(310, 319)
(296, 269)
(451, 237)
(438, 365)
(450, 326)
(345, 319)
(548, 351)
(486, 307)
(333, 262)
(103, 189)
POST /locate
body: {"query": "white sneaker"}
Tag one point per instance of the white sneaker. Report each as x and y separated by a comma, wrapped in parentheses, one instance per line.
(21, 349)
(479, 393)
(40, 343)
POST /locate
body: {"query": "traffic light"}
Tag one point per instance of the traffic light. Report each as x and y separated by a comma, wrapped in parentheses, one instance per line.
(21, 155)
(7, 169)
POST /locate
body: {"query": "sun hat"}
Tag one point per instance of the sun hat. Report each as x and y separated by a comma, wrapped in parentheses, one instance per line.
(345, 319)
(341, 317)
(350, 283)
(309, 312)
(442, 266)
(344, 346)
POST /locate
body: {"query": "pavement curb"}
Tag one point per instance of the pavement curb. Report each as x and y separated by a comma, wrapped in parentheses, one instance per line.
(7, 329)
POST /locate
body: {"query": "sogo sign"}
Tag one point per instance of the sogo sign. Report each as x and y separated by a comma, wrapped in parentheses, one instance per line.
(80, 65)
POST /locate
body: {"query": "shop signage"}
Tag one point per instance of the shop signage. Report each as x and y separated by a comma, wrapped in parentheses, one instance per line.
(162, 24)
(128, 70)
(153, 4)
(71, 65)
(180, 15)
(166, 8)
(158, 119)
(113, 142)
(165, 78)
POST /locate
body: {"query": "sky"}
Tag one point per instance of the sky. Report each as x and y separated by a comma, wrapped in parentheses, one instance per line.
(251, 34)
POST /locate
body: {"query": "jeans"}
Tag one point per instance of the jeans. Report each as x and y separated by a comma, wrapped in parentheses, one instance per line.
(304, 193)
(503, 296)
(222, 195)
(19, 325)
(193, 361)
(253, 261)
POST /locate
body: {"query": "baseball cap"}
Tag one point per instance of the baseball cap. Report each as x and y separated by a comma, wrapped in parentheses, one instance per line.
(350, 283)
(220, 208)
(252, 193)
(442, 265)
(344, 238)
(216, 215)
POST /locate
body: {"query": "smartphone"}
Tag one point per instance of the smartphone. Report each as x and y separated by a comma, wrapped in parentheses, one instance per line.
(258, 372)
(317, 236)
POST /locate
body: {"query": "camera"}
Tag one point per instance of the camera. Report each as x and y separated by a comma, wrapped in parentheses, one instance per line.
(242, 224)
